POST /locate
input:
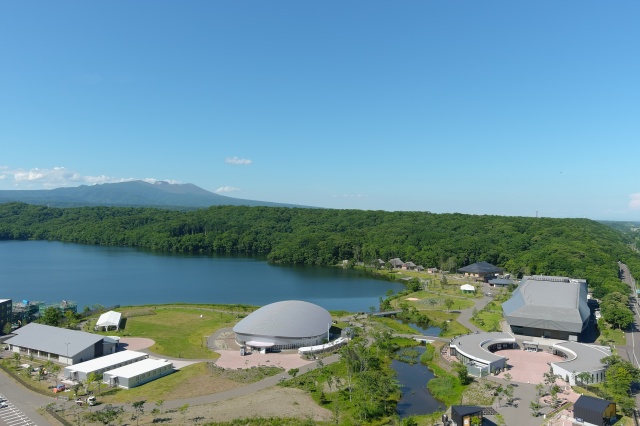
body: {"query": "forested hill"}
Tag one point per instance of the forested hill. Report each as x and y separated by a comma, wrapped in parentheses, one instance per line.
(570, 247)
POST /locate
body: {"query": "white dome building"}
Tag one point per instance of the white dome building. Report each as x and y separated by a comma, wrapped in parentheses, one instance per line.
(284, 325)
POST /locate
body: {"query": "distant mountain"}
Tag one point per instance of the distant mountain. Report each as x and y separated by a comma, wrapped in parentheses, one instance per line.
(130, 194)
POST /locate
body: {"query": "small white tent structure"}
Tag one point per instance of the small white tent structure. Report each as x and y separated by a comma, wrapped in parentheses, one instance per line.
(109, 319)
(467, 288)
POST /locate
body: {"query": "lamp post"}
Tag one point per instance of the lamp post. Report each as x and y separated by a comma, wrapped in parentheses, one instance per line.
(67, 343)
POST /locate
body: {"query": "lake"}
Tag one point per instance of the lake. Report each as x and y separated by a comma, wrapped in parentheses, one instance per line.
(52, 271)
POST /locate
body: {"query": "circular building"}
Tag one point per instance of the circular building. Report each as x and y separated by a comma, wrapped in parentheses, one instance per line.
(289, 324)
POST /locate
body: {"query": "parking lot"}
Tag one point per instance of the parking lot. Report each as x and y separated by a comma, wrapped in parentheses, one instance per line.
(11, 416)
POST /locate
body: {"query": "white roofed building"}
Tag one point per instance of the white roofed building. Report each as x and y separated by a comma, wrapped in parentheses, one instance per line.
(109, 319)
(467, 288)
(138, 373)
(79, 372)
(284, 325)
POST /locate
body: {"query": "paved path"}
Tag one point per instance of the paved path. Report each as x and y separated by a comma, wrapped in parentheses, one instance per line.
(23, 399)
(466, 314)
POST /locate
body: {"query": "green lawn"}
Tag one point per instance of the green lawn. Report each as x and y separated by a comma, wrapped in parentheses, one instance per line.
(609, 336)
(179, 331)
(429, 300)
(193, 380)
(487, 320)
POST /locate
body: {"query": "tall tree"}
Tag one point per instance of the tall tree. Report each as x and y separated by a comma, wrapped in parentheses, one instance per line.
(51, 316)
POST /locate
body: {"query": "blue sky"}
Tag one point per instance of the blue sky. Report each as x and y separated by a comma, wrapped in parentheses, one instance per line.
(492, 107)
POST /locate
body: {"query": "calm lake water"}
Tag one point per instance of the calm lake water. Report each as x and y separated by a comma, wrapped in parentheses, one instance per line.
(53, 271)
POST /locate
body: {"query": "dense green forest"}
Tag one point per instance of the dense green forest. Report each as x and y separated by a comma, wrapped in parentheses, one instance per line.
(570, 247)
(630, 230)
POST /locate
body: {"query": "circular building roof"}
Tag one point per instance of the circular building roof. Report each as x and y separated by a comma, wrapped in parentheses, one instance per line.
(290, 318)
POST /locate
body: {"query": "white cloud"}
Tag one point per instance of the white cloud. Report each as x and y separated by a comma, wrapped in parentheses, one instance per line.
(227, 189)
(634, 204)
(56, 177)
(238, 161)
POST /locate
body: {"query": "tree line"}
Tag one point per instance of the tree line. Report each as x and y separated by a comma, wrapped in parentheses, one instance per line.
(578, 248)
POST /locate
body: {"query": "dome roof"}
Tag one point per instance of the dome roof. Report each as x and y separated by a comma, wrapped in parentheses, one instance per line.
(289, 318)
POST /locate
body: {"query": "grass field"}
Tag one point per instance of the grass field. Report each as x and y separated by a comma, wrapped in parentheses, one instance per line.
(428, 300)
(179, 331)
(488, 319)
(193, 380)
(609, 336)
(454, 328)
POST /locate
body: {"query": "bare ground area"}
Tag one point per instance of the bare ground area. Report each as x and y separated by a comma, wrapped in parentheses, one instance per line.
(135, 343)
(272, 402)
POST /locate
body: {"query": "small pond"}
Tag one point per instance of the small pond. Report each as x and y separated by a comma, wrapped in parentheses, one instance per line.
(420, 328)
(413, 378)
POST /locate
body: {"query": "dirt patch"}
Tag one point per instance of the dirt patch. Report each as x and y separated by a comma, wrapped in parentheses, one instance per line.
(135, 343)
(412, 299)
(272, 402)
(202, 384)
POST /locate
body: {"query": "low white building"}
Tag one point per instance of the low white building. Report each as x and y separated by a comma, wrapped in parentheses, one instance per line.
(333, 345)
(138, 373)
(580, 358)
(79, 372)
(476, 351)
(108, 320)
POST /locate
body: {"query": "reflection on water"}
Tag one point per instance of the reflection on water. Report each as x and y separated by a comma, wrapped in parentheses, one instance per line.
(52, 271)
(423, 329)
(413, 379)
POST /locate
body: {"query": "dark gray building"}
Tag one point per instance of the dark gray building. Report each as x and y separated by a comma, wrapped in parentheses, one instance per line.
(6, 305)
(481, 271)
(588, 410)
(59, 344)
(551, 307)
(462, 415)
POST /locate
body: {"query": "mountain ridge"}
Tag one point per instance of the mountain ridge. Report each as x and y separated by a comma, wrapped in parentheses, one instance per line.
(135, 193)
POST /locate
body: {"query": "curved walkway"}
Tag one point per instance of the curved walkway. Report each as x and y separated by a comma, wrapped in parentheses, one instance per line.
(466, 314)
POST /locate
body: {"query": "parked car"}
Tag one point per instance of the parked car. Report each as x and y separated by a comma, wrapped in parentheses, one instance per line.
(91, 400)
(3, 405)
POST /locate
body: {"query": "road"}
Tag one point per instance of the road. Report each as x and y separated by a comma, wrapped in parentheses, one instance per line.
(22, 404)
(632, 336)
